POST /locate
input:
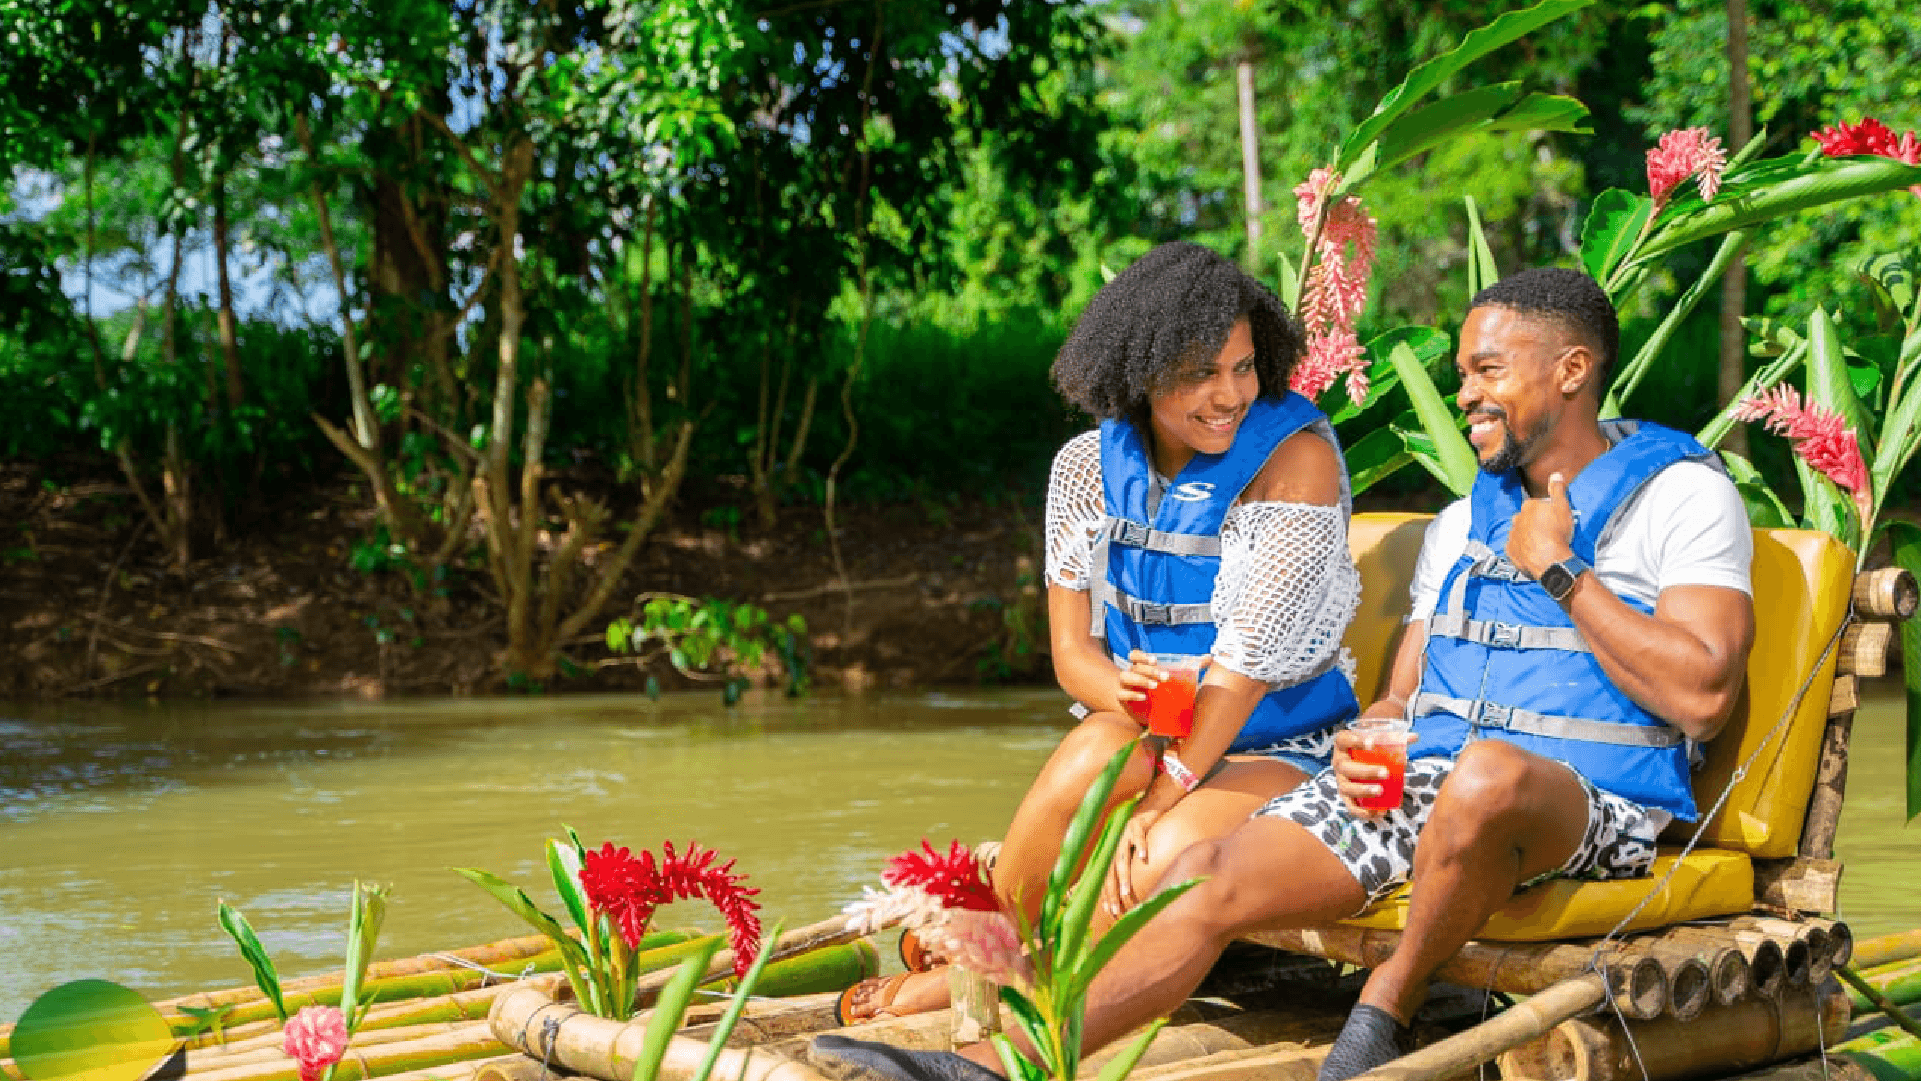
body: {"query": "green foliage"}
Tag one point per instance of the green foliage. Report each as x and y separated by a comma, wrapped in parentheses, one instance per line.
(265, 975)
(1063, 957)
(671, 1007)
(367, 911)
(700, 635)
(599, 963)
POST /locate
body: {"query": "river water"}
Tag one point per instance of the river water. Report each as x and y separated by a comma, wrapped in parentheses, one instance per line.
(120, 826)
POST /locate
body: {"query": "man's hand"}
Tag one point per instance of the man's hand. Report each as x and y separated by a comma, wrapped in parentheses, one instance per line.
(1356, 780)
(1543, 531)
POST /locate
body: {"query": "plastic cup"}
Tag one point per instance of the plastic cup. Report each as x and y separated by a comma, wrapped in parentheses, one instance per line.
(1385, 741)
(1169, 708)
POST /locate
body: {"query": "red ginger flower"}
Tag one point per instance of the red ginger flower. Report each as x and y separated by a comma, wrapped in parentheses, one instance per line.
(953, 877)
(1820, 437)
(1335, 292)
(1870, 136)
(1690, 152)
(628, 889)
(316, 1037)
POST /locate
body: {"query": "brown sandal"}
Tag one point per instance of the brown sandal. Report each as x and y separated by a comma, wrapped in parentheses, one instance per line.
(915, 955)
(881, 989)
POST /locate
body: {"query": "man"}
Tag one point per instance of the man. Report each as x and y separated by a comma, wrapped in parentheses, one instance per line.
(1578, 619)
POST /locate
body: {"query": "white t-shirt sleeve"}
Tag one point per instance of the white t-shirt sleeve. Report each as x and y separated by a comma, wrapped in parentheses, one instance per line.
(1686, 527)
(1441, 548)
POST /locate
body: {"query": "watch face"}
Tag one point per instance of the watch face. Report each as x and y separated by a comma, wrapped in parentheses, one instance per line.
(1557, 581)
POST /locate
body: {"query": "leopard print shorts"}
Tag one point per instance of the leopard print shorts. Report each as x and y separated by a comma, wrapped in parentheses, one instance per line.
(1379, 853)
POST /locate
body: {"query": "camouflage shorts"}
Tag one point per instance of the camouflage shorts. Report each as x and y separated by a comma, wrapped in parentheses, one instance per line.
(1379, 853)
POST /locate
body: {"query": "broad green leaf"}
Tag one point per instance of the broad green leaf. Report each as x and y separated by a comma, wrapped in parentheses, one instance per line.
(1451, 452)
(1614, 223)
(1033, 1024)
(1481, 271)
(1798, 187)
(1865, 379)
(1014, 1063)
(563, 865)
(1823, 506)
(1904, 539)
(1428, 77)
(669, 1008)
(1288, 280)
(523, 906)
(1893, 278)
(1902, 425)
(265, 976)
(737, 1005)
(1486, 109)
(1765, 509)
(1074, 843)
(1828, 381)
(1107, 273)
(1631, 374)
(1123, 1064)
(1377, 454)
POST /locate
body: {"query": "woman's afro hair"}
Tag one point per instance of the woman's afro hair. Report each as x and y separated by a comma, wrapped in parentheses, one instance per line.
(1169, 311)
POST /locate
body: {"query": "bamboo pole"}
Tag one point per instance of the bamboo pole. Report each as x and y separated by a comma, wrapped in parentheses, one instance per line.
(1257, 1064)
(1899, 984)
(1524, 968)
(524, 1069)
(550, 1032)
(1740, 1036)
(220, 1059)
(1251, 1031)
(832, 931)
(1877, 1001)
(1886, 593)
(463, 1006)
(1526, 1020)
(765, 1022)
(1690, 984)
(1885, 948)
(515, 1067)
(1728, 968)
(469, 1042)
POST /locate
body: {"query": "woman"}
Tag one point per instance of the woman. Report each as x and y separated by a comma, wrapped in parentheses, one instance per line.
(1206, 515)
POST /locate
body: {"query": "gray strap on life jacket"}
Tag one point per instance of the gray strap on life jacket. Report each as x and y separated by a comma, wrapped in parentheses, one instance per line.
(1102, 593)
(1451, 621)
(1138, 535)
(1484, 714)
(1150, 613)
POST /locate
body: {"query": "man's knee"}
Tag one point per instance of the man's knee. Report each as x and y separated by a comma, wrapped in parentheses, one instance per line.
(1492, 781)
(1215, 904)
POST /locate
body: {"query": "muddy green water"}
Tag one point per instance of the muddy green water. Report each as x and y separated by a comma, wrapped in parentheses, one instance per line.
(121, 826)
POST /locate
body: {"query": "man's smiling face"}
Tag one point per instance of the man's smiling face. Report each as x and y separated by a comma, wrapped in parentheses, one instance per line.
(1510, 388)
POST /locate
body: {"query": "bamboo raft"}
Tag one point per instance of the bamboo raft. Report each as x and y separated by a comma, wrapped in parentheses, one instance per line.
(1779, 992)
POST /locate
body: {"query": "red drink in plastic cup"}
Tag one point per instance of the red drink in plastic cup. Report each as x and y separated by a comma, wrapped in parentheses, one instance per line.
(1387, 739)
(1169, 708)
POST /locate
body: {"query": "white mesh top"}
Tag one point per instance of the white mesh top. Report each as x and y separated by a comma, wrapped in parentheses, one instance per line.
(1286, 588)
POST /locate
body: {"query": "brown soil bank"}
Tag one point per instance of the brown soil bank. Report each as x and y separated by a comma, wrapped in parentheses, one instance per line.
(941, 595)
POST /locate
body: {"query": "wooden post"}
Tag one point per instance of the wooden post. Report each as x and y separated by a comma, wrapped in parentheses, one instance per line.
(1885, 593)
(1864, 649)
(1830, 787)
(1526, 1020)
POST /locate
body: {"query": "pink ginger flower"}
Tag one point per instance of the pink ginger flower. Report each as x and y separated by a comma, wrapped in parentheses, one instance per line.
(1335, 292)
(981, 942)
(316, 1038)
(1690, 152)
(1870, 136)
(1820, 437)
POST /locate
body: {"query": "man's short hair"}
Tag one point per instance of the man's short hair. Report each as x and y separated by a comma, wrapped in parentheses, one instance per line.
(1571, 299)
(1171, 309)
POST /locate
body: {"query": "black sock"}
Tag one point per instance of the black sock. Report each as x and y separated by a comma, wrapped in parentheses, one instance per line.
(841, 1057)
(1370, 1038)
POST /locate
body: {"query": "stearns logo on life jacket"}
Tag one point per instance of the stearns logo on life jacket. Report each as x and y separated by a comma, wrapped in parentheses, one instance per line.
(1193, 491)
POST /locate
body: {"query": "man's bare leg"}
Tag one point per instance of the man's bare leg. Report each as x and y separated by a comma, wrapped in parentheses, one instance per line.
(1502, 816)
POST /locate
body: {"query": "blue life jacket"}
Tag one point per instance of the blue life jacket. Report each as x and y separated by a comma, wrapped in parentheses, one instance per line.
(1505, 661)
(1152, 567)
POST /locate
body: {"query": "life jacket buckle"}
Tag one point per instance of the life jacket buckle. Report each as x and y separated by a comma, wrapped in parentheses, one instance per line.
(1506, 635)
(1151, 612)
(1491, 714)
(1129, 532)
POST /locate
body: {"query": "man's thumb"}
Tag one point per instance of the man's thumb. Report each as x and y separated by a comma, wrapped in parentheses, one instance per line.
(1557, 488)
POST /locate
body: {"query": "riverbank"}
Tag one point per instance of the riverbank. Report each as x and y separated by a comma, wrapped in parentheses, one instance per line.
(942, 594)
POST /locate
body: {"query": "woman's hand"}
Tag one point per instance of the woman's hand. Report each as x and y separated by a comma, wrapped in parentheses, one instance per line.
(1140, 676)
(1117, 891)
(1356, 780)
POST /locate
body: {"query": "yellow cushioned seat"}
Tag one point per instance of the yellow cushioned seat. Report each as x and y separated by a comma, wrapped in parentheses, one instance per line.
(1801, 586)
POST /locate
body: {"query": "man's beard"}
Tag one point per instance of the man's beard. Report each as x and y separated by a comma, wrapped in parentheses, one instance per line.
(1512, 452)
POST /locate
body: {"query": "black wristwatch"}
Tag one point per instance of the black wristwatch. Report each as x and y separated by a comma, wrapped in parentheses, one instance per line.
(1558, 579)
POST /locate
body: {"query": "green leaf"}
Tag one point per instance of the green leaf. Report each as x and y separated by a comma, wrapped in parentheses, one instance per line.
(1904, 539)
(368, 912)
(1377, 454)
(1126, 928)
(1775, 188)
(1893, 279)
(1765, 509)
(1428, 77)
(1033, 1025)
(1123, 1064)
(523, 906)
(1828, 381)
(1289, 280)
(737, 1005)
(1429, 344)
(1014, 1063)
(670, 1007)
(563, 865)
(1823, 506)
(1074, 842)
(1630, 375)
(1614, 223)
(1481, 271)
(264, 974)
(1087, 892)
(1452, 458)
(1485, 109)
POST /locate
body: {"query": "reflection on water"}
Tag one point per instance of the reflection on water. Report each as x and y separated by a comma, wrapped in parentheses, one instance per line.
(121, 826)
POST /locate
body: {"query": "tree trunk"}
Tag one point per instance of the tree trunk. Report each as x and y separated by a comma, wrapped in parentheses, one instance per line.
(229, 338)
(641, 408)
(366, 428)
(1734, 283)
(1250, 160)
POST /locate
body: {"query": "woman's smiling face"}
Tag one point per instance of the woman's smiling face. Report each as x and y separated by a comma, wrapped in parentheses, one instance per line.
(1202, 408)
